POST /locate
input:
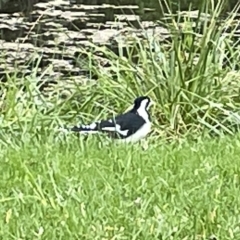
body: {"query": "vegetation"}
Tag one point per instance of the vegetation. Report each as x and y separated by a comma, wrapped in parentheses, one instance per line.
(56, 186)
(70, 189)
(192, 76)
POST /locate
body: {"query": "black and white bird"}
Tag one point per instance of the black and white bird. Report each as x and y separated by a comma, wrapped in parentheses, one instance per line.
(128, 127)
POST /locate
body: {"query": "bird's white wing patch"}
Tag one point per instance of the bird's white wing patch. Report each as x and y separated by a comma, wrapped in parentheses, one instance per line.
(116, 128)
(112, 129)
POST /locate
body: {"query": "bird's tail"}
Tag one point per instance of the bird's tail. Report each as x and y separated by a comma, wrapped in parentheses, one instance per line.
(92, 128)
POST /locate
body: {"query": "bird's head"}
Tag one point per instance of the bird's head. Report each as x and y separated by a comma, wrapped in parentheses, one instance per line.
(143, 102)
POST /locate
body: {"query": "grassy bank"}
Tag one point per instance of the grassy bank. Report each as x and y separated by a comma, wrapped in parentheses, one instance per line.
(71, 189)
(191, 72)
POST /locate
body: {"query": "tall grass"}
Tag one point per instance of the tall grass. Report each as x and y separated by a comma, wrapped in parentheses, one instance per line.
(192, 76)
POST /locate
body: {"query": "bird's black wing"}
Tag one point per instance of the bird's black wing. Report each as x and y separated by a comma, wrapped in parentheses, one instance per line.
(123, 125)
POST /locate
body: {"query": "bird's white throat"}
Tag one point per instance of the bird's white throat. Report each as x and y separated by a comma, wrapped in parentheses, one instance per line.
(142, 110)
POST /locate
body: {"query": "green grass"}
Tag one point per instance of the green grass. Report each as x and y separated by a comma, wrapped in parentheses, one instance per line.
(73, 189)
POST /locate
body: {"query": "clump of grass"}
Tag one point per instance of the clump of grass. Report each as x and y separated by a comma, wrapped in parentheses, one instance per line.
(192, 78)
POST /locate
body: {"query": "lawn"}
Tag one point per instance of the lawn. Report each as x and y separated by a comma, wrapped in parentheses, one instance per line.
(74, 189)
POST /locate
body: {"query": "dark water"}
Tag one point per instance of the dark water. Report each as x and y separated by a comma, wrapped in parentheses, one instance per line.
(10, 6)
